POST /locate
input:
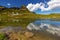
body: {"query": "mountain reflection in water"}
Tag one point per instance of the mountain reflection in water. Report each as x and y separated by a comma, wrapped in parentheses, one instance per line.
(49, 26)
(46, 25)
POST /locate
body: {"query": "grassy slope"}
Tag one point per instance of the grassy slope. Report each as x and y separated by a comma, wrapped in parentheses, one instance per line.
(23, 18)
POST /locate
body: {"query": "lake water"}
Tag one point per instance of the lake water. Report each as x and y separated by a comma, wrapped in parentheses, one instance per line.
(51, 26)
(54, 22)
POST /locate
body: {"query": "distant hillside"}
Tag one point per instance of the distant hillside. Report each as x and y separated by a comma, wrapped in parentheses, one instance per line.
(13, 12)
(22, 16)
(23, 12)
(14, 9)
(12, 16)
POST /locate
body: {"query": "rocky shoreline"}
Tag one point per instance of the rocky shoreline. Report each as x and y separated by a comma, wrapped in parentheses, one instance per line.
(17, 33)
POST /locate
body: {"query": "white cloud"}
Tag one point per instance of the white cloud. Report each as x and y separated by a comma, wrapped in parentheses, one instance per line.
(33, 7)
(8, 4)
(51, 5)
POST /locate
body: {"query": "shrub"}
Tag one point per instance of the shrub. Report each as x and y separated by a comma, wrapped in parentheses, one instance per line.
(2, 36)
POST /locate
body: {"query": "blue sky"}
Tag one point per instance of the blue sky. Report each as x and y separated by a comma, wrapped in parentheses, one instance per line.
(38, 6)
(18, 3)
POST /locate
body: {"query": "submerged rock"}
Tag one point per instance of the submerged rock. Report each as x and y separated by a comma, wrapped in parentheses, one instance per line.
(16, 33)
(28, 34)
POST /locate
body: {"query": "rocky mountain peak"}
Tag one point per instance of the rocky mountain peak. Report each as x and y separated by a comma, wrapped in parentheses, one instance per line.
(23, 7)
